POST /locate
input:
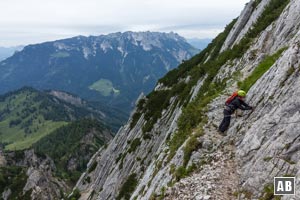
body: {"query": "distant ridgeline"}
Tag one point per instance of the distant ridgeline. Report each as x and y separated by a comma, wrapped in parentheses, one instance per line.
(112, 69)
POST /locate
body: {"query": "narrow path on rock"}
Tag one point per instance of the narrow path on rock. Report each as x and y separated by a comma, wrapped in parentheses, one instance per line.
(216, 180)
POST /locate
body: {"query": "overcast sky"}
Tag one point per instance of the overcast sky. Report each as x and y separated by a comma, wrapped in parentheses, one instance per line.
(34, 21)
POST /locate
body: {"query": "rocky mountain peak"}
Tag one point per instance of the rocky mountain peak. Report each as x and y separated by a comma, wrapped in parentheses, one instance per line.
(147, 40)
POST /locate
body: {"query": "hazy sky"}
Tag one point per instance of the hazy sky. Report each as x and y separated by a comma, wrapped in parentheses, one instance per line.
(34, 21)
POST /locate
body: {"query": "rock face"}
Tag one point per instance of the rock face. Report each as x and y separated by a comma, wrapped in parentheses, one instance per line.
(39, 181)
(54, 164)
(239, 25)
(258, 146)
(245, 21)
(214, 180)
(125, 161)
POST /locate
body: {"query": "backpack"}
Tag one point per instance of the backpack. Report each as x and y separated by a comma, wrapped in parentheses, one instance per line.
(229, 100)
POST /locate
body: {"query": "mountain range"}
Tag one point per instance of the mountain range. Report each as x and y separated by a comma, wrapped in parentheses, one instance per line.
(112, 69)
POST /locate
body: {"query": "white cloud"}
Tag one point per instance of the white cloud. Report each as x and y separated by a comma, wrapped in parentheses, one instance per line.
(49, 20)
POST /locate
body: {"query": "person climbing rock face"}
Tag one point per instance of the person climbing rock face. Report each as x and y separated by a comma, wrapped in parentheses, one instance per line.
(235, 101)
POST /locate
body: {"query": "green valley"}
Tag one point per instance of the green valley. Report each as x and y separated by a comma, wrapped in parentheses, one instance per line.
(105, 87)
(27, 115)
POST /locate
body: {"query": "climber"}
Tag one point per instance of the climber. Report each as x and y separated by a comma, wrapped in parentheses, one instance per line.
(232, 103)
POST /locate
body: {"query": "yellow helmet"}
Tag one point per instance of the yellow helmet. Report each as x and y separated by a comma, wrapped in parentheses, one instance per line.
(241, 93)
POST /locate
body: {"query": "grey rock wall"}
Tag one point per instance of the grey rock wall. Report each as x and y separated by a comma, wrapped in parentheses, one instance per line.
(258, 146)
(239, 25)
(268, 145)
(40, 177)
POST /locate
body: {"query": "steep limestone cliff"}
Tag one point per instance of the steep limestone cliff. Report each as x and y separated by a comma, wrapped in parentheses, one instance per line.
(29, 176)
(170, 147)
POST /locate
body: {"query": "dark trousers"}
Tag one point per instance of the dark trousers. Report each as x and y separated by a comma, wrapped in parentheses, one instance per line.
(226, 121)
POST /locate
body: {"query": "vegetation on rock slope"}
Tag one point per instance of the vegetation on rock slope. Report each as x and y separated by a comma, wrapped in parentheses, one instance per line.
(71, 146)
